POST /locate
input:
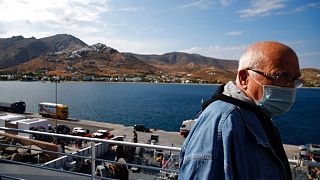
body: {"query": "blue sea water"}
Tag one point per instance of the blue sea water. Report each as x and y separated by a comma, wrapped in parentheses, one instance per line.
(161, 106)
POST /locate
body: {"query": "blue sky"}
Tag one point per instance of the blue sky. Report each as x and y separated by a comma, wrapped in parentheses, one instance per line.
(213, 28)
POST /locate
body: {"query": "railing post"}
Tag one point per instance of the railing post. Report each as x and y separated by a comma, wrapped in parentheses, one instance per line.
(93, 156)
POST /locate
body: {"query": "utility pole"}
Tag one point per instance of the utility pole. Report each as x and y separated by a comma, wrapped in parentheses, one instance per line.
(56, 121)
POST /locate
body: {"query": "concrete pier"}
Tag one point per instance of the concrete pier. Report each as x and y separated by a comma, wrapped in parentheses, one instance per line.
(165, 138)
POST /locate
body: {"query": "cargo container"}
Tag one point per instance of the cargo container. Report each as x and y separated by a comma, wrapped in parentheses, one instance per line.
(6, 119)
(52, 110)
(34, 124)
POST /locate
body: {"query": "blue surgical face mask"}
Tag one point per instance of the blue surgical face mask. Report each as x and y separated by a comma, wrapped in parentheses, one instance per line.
(276, 100)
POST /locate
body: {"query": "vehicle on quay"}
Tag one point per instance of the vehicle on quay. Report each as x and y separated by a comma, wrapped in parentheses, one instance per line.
(141, 127)
(15, 107)
(79, 131)
(186, 127)
(311, 152)
(102, 134)
(62, 129)
(52, 110)
(118, 138)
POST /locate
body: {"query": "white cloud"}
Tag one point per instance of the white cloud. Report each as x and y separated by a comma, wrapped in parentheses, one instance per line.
(225, 2)
(296, 43)
(308, 54)
(157, 30)
(307, 6)
(130, 9)
(145, 29)
(200, 4)
(301, 8)
(45, 18)
(205, 4)
(52, 10)
(233, 33)
(262, 8)
(217, 51)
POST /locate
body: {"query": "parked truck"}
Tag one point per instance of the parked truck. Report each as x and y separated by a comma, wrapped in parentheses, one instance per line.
(16, 107)
(52, 110)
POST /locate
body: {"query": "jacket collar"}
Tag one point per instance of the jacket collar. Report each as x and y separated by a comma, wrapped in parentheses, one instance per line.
(249, 117)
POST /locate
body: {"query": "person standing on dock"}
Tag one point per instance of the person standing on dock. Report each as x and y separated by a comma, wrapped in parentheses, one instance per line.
(234, 137)
(135, 136)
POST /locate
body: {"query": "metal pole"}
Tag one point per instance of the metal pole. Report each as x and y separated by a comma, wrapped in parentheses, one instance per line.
(55, 79)
(93, 156)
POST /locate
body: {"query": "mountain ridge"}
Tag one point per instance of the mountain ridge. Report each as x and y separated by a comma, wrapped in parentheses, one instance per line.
(17, 49)
(66, 55)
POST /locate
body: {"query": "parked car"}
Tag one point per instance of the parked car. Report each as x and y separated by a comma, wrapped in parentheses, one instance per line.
(141, 127)
(102, 134)
(79, 131)
(62, 129)
(118, 138)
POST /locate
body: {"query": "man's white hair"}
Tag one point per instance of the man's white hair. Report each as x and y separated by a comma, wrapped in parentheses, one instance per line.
(251, 59)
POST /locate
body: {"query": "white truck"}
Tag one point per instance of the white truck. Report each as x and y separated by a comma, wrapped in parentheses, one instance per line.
(53, 110)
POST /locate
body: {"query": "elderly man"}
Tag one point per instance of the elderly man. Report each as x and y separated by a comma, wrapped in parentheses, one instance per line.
(234, 137)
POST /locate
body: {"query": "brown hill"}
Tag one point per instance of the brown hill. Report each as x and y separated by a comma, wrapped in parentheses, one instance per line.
(67, 55)
(179, 58)
(192, 66)
(311, 77)
(17, 49)
(63, 42)
(98, 60)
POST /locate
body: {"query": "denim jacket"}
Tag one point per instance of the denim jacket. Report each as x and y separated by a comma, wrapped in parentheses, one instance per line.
(228, 142)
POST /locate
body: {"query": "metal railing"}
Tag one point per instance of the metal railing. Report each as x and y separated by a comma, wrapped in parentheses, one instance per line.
(92, 156)
(2, 177)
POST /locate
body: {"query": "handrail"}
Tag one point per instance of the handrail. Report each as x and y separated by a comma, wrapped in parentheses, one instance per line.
(297, 163)
(177, 149)
(96, 159)
(93, 158)
(47, 168)
(43, 150)
(10, 177)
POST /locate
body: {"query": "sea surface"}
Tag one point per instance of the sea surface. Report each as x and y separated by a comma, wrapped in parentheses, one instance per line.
(160, 106)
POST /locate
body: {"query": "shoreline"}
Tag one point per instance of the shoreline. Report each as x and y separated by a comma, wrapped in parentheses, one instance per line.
(162, 83)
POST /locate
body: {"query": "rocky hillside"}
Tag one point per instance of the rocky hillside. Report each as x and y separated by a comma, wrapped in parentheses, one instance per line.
(311, 77)
(195, 66)
(96, 60)
(182, 59)
(68, 56)
(62, 42)
(17, 49)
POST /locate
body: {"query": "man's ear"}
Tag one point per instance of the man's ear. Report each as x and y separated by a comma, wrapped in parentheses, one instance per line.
(243, 79)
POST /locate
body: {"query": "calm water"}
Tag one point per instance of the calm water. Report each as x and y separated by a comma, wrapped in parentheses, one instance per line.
(162, 106)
